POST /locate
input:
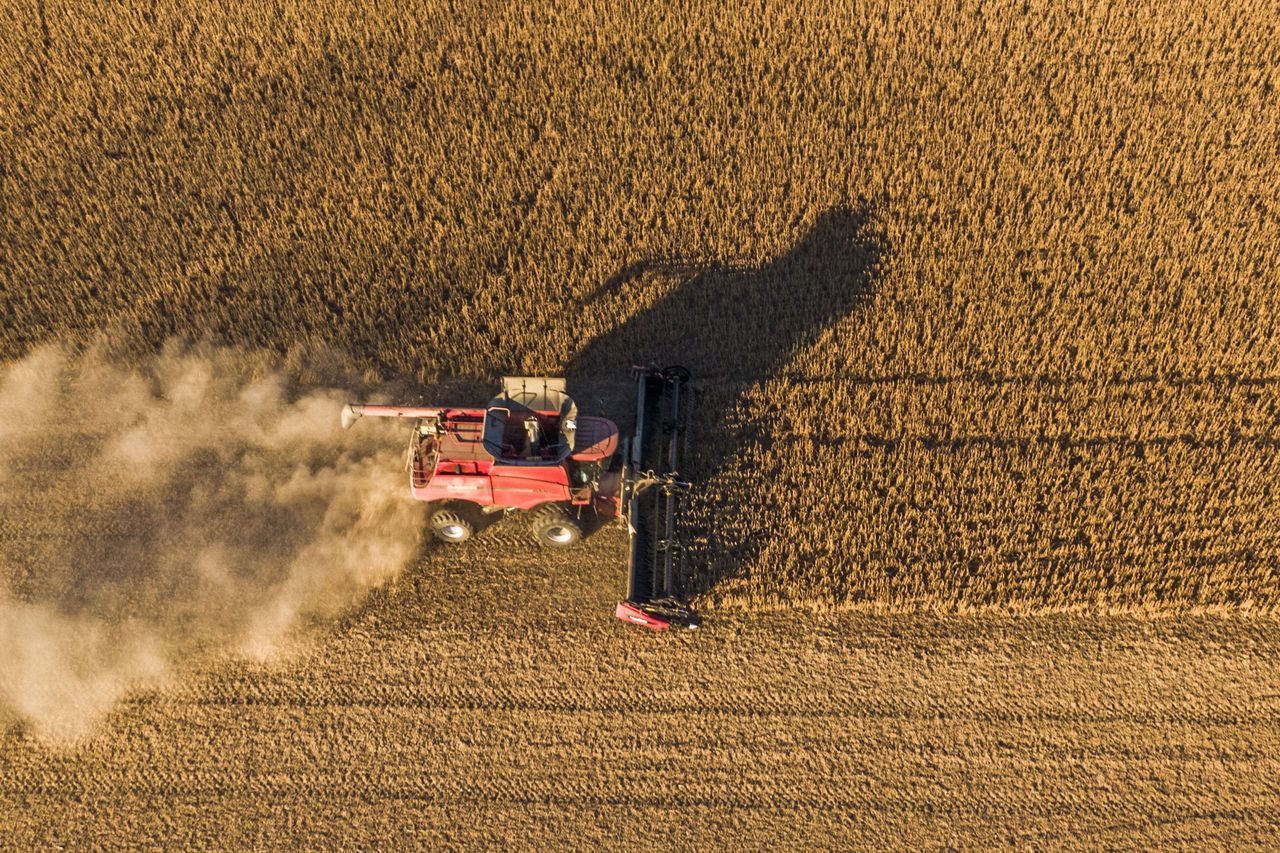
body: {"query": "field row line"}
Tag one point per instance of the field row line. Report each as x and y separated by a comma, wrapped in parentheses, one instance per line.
(710, 794)
(985, 378)
(747, 711)
(927, 441)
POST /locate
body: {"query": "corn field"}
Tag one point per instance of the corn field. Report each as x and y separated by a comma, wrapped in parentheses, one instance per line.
(982, 303)
(1058, 390)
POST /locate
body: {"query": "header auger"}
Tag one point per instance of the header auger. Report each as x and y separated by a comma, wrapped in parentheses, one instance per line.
(529, 450)
(653, 494)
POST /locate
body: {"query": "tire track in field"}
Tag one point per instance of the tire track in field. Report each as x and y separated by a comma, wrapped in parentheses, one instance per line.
(1047, 731)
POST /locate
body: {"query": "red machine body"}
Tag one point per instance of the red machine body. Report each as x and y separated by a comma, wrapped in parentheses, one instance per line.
(526, 450)
(451, 463)
(529, 450)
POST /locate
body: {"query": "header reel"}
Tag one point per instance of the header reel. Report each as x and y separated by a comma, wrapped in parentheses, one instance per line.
(653, 495)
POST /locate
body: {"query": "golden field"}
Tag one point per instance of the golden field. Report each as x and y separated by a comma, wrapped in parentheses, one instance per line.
(981, 301)
(432, 720)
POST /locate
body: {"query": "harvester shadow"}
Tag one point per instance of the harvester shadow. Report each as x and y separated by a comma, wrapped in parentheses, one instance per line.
(735, 327)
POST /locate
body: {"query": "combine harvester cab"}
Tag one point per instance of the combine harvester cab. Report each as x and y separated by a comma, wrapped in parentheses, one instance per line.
(652, 502)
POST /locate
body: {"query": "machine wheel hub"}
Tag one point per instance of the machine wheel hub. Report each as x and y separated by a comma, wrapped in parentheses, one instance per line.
(559, 534)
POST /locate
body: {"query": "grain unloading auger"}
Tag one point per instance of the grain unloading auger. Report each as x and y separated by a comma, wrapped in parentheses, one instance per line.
(528, 450)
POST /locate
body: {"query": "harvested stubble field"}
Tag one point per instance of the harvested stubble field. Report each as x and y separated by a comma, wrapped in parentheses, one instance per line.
(432, 719)
(982, 304)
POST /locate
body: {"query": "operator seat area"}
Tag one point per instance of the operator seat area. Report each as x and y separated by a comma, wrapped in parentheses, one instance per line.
(521, 436)
(533, 438)
(530, 423)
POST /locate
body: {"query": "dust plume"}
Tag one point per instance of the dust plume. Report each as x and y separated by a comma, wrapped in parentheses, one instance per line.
(197, 504)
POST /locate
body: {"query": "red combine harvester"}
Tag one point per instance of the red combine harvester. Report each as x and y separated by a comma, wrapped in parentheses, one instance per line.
(529, 450)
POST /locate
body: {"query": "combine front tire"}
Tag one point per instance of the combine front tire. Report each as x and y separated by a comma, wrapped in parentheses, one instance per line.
(555, 526)
(452, 525)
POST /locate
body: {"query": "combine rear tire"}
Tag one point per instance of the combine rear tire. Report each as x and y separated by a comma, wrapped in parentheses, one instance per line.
(556, 526)
(452, 525)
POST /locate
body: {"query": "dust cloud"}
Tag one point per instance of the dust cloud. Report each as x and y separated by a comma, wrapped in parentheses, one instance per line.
(201, 503)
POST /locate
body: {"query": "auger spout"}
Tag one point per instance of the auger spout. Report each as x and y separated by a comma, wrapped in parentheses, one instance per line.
(352, 412)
